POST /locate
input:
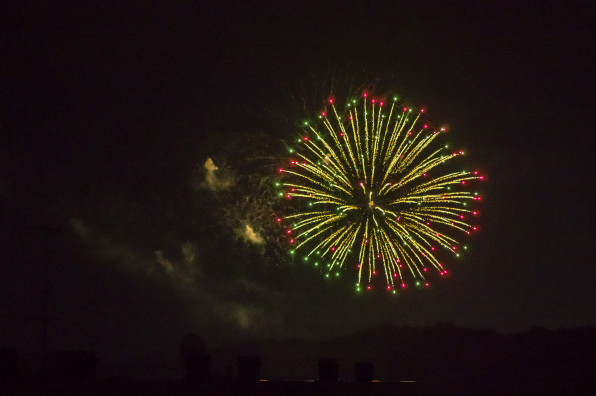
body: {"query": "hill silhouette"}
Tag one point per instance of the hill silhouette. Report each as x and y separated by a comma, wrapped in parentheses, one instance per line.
(441, 360)
(444, 359)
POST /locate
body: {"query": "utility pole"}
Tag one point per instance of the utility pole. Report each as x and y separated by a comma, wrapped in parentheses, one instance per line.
(44, 319)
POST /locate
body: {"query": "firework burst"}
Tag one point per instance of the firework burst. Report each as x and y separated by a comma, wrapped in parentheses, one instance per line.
(369, 192)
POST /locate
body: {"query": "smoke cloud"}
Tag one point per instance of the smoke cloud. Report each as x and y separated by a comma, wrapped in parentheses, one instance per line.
(249, 235)
(181, 266)
(214, 180)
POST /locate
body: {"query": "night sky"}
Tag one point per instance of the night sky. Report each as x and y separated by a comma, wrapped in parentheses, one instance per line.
(110, 112)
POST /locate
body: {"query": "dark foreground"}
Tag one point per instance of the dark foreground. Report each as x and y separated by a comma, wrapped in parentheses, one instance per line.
(438, 360)
(233, 387)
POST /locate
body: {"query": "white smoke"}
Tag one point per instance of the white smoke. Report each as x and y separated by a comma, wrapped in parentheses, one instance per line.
(214, 181)
(249, 235)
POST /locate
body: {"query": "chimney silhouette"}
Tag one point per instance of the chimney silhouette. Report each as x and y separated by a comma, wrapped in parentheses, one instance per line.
(196, 361)
(328, 370)
(9, 371)
(73, 366)
(249, 368)
(363, 372)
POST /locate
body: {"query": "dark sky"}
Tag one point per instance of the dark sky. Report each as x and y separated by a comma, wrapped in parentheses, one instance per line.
(109, 113)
